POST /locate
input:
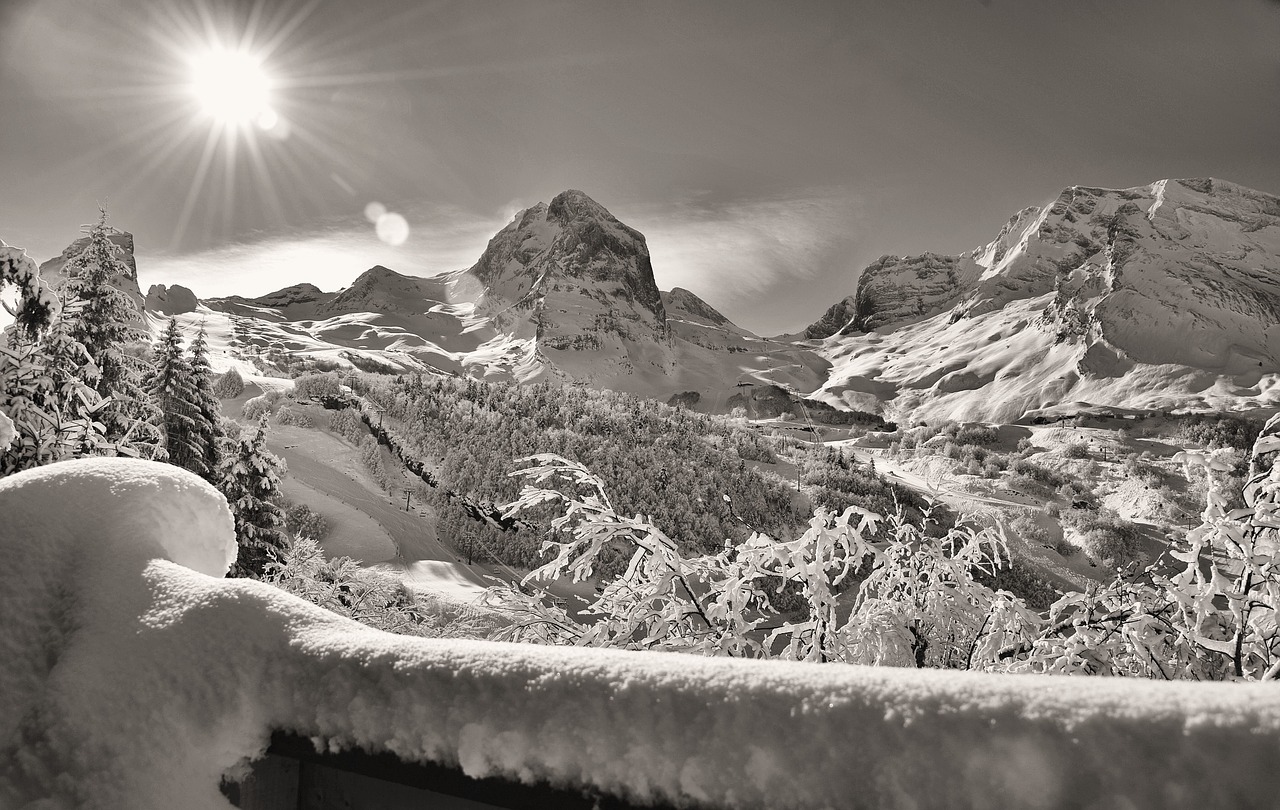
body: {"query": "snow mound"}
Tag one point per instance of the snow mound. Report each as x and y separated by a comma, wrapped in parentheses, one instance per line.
(131, 505)
(128, 680)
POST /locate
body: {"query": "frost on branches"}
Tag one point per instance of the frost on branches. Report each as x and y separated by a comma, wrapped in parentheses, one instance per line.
(37, 304)
(8, 431)
(1208, 613)
(917, 603)
(208, 411)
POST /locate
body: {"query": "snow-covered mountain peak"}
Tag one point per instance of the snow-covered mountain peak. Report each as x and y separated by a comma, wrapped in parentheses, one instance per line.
(564, 292)
(1157, 296)
(577, 270)
(573, 204)
(381, 289)
(680, 303)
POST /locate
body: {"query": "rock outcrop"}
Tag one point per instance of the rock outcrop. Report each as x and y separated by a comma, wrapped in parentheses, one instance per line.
(896, 289)
(839, 319)
(174, 300)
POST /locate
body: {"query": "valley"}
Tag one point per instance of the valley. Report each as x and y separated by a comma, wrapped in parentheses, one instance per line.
(1031, 335)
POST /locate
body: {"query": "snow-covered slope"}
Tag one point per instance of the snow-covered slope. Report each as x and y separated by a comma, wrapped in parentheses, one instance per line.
(133, 675)
(1159, 296)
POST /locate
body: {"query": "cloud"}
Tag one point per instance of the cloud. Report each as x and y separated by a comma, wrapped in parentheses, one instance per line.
(440, 239)
(733, 252)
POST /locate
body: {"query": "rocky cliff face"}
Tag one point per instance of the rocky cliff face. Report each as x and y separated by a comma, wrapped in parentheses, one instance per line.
(572, 239)
(896, 289)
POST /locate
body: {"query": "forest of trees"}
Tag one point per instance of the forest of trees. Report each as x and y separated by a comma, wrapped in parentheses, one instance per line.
(687, 471)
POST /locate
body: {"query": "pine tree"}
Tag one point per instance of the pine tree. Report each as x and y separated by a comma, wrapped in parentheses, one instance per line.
(43, 374)
(208, 410)
(230, 385)
(251, 485)
(172, 389)
(105, 322)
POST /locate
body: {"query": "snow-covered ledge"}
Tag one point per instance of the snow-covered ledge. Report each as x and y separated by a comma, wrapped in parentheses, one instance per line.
(133, 675)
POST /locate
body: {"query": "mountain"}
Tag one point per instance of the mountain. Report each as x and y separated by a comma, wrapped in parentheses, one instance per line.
(565, 292)
(1157, 296)
(552, 257)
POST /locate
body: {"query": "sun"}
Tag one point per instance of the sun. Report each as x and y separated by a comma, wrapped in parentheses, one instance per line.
(232, 87)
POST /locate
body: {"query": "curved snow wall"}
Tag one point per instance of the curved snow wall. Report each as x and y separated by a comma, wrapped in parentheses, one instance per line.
(133, 675)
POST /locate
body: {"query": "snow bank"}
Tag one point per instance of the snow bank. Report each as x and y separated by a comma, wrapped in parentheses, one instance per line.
(128, 679)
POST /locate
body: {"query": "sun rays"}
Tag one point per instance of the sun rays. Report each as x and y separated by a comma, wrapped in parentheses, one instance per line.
(236, 106)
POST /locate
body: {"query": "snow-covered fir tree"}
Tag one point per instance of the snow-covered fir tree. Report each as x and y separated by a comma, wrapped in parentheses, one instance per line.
(107, 321)
(208, 411)
(251, 484)
(173, 390)
(43, 374)
(229, 386)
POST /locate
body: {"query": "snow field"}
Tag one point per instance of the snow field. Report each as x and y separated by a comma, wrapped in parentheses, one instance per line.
(132, 675)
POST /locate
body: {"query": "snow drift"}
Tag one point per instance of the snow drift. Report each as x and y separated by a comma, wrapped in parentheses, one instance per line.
(131, 675)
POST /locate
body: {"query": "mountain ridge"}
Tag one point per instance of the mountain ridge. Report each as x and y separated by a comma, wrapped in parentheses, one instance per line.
(1165, 295)
(1156, 296)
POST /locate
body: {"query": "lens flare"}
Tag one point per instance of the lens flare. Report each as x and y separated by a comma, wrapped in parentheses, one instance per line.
(392, 229)
(268, 119)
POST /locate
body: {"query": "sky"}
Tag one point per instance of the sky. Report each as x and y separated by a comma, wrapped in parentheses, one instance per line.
(768, 151)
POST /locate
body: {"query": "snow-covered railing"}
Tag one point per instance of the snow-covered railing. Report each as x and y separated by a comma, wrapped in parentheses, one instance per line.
(133, 675)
